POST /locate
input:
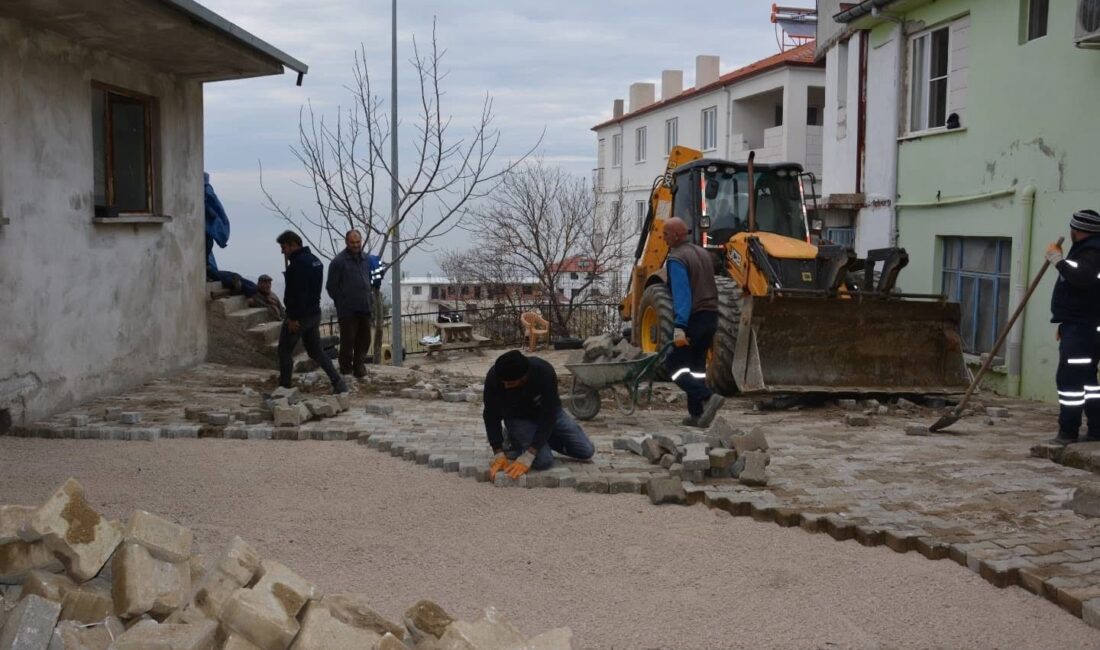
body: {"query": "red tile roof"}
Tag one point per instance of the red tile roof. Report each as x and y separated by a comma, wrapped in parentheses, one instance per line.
(803, 55)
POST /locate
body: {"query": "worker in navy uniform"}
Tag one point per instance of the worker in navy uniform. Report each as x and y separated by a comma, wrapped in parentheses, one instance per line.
(1075, 307)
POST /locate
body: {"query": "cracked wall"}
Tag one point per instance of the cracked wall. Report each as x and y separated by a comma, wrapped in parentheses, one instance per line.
(90, 309)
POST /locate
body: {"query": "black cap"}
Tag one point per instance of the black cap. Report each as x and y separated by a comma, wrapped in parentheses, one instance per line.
(264, 278)
(511, 365)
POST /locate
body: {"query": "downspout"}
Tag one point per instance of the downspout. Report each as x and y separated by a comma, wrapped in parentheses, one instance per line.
(861, 108)
(729, 120)
(1014, 354)
(900, 99)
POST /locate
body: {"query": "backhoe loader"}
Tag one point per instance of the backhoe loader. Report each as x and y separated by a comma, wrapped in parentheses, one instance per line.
(794, 316)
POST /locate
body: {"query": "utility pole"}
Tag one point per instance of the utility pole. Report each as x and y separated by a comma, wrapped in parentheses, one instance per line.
(396, 343)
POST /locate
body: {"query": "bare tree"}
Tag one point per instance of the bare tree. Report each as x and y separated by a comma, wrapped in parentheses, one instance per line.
(349, 176)
(543, 222)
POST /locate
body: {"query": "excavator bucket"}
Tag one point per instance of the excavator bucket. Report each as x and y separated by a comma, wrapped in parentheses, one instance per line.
(817, 345)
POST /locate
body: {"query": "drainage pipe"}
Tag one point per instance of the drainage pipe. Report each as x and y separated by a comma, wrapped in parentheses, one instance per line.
(1014, 354)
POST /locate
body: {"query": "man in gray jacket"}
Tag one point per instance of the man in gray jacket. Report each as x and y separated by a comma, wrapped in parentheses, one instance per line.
(351, 275)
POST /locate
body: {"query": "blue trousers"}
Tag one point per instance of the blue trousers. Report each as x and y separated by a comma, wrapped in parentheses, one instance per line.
(567, 439)
(1078, 390)
(687, 366)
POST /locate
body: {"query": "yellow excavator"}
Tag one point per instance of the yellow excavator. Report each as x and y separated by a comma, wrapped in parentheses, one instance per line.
(794, 316)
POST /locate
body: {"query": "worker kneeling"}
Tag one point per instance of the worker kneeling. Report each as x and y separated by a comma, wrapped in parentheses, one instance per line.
(523, 393)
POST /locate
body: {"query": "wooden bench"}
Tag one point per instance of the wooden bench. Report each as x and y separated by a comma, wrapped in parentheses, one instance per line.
(456, 336)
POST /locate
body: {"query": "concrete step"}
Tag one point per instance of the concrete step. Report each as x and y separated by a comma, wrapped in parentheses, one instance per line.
(266, 332)
(250, 317)
(228, 305)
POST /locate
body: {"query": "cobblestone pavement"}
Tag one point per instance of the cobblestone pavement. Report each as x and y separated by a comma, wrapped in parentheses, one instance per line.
(974, 495)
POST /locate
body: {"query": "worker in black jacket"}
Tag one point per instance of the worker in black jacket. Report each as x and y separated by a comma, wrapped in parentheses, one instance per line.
(302, 298)
(523, 393)
(1075, 307)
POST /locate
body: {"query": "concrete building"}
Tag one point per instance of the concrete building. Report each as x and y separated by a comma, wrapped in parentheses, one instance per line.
(422, 296)
(101, 194)
(995, 148)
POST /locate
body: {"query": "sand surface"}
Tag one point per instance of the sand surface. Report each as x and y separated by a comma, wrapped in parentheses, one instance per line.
(620, 572)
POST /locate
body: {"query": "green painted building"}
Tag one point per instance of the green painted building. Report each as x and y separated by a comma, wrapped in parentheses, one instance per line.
(998, 143)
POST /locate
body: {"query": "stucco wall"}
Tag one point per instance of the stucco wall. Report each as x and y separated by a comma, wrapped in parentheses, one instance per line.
(1030, 114)
(90, 309)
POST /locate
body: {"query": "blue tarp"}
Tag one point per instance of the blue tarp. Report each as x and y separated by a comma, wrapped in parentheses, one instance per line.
(217, 222)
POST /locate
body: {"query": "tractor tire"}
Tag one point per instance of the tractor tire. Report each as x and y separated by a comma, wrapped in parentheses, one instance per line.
(720, 368)
(654, 324)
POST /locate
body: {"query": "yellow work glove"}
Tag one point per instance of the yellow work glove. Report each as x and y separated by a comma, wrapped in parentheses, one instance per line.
(500, 461)
(679, 338)
(521, 465)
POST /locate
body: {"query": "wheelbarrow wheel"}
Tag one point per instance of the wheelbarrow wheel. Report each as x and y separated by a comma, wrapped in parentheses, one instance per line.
(584, 403)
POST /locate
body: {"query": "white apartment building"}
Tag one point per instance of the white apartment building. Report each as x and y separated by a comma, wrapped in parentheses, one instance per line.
(774, 106)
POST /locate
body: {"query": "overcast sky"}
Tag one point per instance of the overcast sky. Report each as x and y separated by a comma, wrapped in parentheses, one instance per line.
(553, 66)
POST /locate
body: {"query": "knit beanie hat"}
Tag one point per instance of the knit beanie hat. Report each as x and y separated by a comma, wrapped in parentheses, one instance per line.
(1085, 221)
(511, 365)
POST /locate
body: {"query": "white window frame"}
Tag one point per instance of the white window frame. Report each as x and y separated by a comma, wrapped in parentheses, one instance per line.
(709, 135)
(926, 63)
(672, 134)
(640, 137)
(617, 150)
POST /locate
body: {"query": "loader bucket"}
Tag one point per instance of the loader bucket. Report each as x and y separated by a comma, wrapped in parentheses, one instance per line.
(813, 345)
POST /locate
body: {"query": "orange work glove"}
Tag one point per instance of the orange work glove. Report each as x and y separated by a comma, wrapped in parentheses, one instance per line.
(500, 461)
(1054, 253)
(521, 465)
(679, 338)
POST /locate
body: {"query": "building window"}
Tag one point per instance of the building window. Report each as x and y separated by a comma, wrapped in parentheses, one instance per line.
(122, 144)
(418, 290)
(639, 213)
(778, 118)
(615, 214)
(672, 134)
(639, 144)
(813, 116)
(841, 236)
(842, 75)
(617, 150)
(527, 290)
(477, 292)
(976, 275)
(710, 128)
(1036, 13)
(435, 292)
(929, 81)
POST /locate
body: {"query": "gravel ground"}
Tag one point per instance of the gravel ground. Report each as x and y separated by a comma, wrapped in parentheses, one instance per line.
(618, 571)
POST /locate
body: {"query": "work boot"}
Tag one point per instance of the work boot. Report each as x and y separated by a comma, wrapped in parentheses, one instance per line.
(1091, 437)
(710, 409)
(340, 387)
(360, 372)
(690, 421)
(1062, 439)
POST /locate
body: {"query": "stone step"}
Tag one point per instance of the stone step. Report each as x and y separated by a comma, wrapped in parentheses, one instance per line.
(266, 332)
(228, 305)
(250, 317)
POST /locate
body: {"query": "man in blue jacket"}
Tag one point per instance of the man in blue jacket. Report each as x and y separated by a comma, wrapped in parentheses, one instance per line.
(302, 298)
(695, 310)
(351, 277)
(1075, 307)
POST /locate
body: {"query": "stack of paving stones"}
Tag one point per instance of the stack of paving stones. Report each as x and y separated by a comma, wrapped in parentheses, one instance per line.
(70, 579)
(608, 348)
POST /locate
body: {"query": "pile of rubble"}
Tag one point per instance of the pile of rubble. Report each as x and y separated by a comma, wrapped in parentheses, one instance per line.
(608, 348)
(72, 580)
(723, 451)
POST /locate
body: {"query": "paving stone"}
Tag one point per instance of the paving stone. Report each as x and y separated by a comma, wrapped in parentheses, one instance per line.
(218, 419)
(71, 635)
(379, 409)
(917, 429)
(854, 420)
(489, 631)
(502, 480)
(695, 457)
(1090, 612)
(1086, 501)
(291, 395)
(267, 613)
(754, 440)
(50, 586)
(87, 603)
(30, 625)
(287, 416)
(997, 412)
(342, 622)
(80, 420)
(112, 413)
(129, 417)
(259, 433)
(592, 484)
(320, 408)
(652, 450)
(849, 404)
(70, 527)
(19, 558)
(721, 459)
(163, 539)
(624, 485)
(12, 519)
(754, 472)
(168, 636)
(143, 583)
(666, 490)
(192, 413)
(633, 444)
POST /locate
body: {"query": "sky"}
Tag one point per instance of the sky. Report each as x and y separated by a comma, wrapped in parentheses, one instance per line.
(553, 69)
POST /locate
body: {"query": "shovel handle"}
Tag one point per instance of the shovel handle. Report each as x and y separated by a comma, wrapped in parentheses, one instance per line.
(1004, 334)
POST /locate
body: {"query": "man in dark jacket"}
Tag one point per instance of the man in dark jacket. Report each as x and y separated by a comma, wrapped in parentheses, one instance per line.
(523, 393)
(351, 274)
(695, 319)
(302, 297)
(1075, 307)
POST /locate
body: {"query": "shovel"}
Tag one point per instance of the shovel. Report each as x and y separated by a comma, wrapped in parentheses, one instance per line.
(954, 416)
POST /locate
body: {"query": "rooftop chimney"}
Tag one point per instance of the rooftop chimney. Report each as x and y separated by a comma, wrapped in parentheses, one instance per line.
(641, 95)
(672, 83)
(706, 70)
(617, 109)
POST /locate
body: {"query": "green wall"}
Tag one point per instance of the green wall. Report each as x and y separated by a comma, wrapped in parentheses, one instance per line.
(1031, 119)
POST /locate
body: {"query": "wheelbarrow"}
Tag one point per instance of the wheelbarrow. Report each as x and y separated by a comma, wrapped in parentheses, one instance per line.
(590, 378)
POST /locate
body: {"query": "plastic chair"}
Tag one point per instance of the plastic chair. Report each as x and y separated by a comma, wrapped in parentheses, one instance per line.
(534, 326)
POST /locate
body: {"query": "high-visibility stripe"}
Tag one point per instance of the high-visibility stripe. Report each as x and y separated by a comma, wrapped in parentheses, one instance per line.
(1092, 388)
(1066, 402)
(1069, 393)
(1092, 396)
(1071, 263)
(1079, 362)
(697, 375)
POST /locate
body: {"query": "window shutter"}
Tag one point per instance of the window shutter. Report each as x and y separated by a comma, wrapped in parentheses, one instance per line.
(959, 82)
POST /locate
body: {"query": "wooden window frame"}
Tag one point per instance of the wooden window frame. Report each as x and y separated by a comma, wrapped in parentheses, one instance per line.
(152, 126)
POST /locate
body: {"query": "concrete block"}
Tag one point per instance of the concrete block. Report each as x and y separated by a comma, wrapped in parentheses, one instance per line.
(652, 450)
(695, 457)
(291, 395)
(624, 485)
(721, 459)
(130, 417)
(50, 586)
(163, 539)
(287, 416)
(267, 613)
(192, 413)
(71, 635)
(426, 619)
(70, 527)
(168, 636)
(17, 559)
(12, 520)
(88, 603)
(666, 490)
(633, 444)
(343, 622)
(669, 442)
(754, 440)
(379, 409)
(143, 583)
(490, 631)
(240, 561)
(319, 408)
(218, 419)
(754, 471)
(30, 625)
(917, 429)
(79, 420)
(855, 420)
(112, 413)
